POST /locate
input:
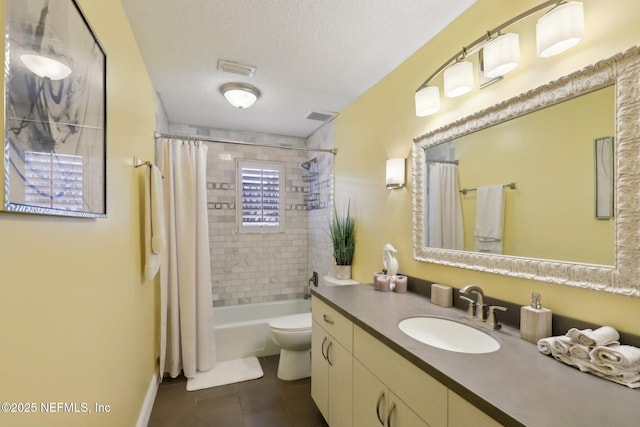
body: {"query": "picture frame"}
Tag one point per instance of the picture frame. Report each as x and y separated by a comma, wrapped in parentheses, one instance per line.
(603, 155)
(55, 111)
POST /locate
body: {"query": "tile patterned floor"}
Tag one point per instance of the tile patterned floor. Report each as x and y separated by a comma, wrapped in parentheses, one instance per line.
(265, 402)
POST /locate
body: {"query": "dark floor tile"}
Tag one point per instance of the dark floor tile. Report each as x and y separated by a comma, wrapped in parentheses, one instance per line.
(275, 417)
(264, 402)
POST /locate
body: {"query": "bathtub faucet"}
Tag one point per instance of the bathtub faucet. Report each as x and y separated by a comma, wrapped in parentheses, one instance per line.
(313, 280)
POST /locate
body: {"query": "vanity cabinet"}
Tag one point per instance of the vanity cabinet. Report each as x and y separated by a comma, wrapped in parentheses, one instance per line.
(463, 413)
(375, 404)
(332, 364)
(419, 399)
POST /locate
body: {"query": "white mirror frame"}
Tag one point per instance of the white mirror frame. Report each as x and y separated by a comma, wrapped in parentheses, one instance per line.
(622, 69)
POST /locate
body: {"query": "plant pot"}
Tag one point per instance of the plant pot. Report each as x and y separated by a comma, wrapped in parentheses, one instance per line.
(342, 272)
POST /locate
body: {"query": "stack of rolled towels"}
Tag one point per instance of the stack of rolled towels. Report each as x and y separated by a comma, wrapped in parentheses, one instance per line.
(597, 352)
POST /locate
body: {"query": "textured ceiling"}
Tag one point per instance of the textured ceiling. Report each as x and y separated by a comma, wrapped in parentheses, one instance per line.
(309, 55)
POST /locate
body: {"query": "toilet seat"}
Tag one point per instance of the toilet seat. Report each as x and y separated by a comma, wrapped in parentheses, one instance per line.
(292, 322)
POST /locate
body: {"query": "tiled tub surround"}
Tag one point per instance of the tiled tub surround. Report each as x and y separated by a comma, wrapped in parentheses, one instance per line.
(516, 385)
(252, 268)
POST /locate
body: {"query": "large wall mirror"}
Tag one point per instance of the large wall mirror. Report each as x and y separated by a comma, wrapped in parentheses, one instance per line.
(567, 154)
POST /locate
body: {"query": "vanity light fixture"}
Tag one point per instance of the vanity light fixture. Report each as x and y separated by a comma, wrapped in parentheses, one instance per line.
(395, 173)
(427, 101)
(559, 29)
(501, 55)
(240, 95)
(458, 79)
(45, 67)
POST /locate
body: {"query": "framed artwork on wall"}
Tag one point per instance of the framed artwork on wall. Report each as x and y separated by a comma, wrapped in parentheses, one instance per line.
(55, 111)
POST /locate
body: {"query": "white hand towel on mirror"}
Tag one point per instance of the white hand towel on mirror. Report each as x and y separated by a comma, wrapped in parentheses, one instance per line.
(489, 219)
(624, 356)
(605, 335)
(154, 222)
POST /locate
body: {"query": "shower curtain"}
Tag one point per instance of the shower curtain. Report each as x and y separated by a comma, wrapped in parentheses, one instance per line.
(444, 219)
(186, 316)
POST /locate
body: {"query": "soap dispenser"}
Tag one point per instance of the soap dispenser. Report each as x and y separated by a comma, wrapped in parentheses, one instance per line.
(535, 321)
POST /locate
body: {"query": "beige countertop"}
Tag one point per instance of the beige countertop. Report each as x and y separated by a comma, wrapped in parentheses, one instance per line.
(516, 385)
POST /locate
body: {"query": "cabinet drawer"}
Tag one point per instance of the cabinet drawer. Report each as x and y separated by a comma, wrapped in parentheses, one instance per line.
(422, 393)
(333, 322)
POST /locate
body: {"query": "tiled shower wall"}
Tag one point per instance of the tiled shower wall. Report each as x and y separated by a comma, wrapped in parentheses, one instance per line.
(252, 268)
(319, 243)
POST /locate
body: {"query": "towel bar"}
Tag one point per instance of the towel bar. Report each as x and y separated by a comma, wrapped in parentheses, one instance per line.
(511, 185)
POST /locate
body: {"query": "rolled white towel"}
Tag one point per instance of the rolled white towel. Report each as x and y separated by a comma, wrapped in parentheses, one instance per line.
(580, 351)
(623, 356)
(604, 335)
(554, 345)
(625, 374)
(630, 384)
(574, 332)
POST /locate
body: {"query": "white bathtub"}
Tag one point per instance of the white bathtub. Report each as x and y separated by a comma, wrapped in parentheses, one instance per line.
(243, 330)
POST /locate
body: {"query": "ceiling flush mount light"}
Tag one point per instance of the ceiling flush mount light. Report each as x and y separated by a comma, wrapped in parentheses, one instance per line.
(427, 101)
(395, 173)
(560, 29)
(240, 95)
(458, 79)
(501, 55)
(46, 67)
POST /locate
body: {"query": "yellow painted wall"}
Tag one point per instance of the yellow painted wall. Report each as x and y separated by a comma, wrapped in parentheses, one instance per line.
(382, 122)
(549, 154)
(77, 320)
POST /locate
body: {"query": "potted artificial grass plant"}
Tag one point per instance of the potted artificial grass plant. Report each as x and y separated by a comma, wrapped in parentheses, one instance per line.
(342, 230)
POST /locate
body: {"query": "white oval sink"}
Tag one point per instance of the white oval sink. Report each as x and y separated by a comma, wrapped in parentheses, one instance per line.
(448, 335)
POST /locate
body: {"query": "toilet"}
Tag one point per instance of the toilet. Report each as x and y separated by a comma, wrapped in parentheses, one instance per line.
(292, 334)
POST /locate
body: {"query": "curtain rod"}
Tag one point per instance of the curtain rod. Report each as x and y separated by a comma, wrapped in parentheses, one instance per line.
(452, 162)
(158, 135)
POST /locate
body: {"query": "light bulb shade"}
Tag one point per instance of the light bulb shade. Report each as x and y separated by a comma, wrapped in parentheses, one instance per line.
(560, 29)
(240, 95)
(427, 101)
(501, 55)
(46, 67)
(458, 79)
(395, 173)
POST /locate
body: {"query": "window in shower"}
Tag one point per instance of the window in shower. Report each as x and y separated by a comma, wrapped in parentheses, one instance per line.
(260, 193)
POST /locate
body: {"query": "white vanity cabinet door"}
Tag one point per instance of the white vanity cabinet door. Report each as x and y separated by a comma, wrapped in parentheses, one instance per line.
(375, 405)
(332, 364)
(423, 394)
(463, 413)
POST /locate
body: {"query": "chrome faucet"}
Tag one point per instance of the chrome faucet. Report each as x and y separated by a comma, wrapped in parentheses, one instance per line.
(479, 302)
(476, 308)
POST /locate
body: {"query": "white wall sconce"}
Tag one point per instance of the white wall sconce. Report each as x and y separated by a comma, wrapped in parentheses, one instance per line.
(395, 173)
(240, 95)
(561, 28)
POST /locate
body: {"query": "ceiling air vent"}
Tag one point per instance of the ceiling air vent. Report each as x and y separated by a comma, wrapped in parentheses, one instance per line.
(321, 116)
(235, 68)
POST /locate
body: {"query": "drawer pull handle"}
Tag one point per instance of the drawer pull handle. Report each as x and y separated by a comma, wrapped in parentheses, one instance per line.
(391, 410)
(327, 319)
(324, 341)
(378, 408)
(328, 355)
